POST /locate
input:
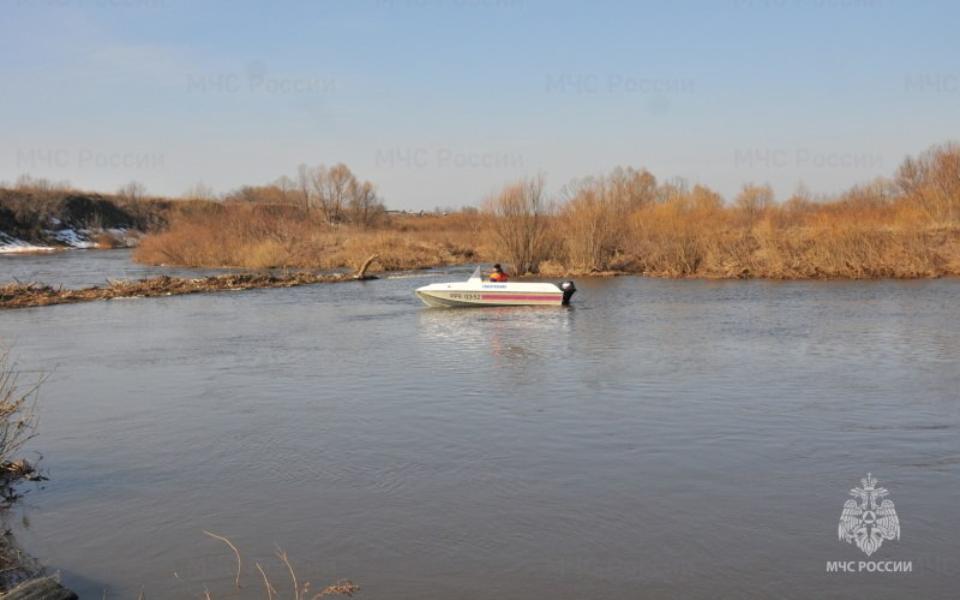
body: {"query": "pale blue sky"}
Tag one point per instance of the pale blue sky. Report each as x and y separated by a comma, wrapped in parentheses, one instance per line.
(440, 102)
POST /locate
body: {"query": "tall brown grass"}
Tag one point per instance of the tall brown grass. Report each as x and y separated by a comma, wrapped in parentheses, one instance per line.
(283, 236)
(625, 221)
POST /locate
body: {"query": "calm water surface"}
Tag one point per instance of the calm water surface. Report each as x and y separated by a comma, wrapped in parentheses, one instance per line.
(659, 439)
(83, 268)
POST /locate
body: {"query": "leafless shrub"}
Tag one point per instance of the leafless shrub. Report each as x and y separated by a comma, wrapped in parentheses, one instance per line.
(132, 192)
(521, 224)
(40, 185)
(18, 424)
(593, 218)
(933, 182)
(753, 202)
(337, 194)
(200, 191)
(18, 418)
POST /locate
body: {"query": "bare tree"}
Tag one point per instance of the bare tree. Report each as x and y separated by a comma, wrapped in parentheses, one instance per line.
(594, 219)
(365, 207)
(933, 181)
(40, 185)
(199, 191)
(332, 186)
(304, 186)
(287, 188)
(132, 191)
(753, 200)
(634, 188)
(335, 191)
(260, 194)
(521, 221)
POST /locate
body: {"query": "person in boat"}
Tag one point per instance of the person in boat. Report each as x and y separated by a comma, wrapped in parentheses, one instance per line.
(498, 274)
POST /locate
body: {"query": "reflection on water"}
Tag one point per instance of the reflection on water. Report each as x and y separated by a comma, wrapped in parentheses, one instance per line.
(664, 439)
(511, 340)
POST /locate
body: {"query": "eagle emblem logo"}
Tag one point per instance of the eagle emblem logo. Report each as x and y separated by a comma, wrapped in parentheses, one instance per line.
(869, 517)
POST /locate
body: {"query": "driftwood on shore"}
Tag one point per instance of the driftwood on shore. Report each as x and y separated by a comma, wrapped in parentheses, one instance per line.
(23, 295)
(361, 275)
(22, 577)
(44, 588)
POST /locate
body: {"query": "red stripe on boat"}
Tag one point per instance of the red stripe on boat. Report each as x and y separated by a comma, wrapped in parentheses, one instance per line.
(521, 296)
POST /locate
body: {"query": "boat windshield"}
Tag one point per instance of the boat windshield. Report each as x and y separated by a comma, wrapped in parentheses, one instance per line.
(477, 273)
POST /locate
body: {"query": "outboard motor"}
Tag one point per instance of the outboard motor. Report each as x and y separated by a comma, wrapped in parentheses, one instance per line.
(568, 291)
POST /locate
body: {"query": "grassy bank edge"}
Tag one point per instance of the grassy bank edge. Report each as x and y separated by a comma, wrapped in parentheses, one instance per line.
(27, 295)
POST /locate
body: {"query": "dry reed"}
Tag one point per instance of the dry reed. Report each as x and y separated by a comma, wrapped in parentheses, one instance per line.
(300, 589)
(18, 421)
(259, 237)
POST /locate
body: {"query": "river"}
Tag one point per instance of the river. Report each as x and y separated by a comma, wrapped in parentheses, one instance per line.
(658, 439)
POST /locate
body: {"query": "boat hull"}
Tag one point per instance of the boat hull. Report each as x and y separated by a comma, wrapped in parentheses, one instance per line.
(478, 291)
(451, 298)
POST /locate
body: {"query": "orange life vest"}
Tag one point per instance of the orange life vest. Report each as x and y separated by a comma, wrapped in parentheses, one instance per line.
(495, 276)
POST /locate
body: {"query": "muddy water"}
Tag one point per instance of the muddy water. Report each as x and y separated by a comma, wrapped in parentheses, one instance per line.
(659, 439)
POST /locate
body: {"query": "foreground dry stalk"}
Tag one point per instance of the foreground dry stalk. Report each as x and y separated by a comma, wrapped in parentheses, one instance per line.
(235, 552)
(18, 423)
(266, 583)
(300, 591)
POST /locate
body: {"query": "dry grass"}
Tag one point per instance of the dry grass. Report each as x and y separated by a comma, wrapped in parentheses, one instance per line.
(278, 236)
(681, 238)
(623, 222)
(18, 420)
(18, 423)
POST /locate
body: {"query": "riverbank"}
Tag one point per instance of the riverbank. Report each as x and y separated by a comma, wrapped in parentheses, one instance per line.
(676, 239)
(26, 295)
(626, 221)
(22, 577)
(41, 216)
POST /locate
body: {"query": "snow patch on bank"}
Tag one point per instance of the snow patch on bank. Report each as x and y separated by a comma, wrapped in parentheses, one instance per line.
(74, 238)
(66, 238)
(12, 245)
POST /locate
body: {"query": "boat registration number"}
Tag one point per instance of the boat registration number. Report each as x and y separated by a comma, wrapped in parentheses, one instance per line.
(464, 296)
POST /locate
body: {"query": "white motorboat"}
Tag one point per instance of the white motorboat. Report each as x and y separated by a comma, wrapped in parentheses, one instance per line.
(479, 292)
